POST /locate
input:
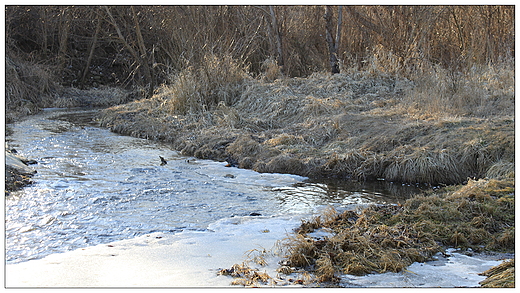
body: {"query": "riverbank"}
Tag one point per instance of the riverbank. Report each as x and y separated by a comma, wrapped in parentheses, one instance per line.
(474, 218)
(356, 125)
(17, 172)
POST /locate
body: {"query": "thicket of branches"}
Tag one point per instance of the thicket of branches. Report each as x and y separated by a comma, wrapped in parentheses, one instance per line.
(145, 45)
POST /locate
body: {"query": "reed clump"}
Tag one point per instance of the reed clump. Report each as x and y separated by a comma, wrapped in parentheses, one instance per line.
(216, 81)
(388, 238)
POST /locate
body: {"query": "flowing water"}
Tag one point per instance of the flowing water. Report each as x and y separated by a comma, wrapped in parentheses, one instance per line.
(93, 187)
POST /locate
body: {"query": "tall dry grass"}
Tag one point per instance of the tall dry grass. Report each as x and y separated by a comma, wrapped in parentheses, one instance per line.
(28, 87)
(216, 81)
(481, 91)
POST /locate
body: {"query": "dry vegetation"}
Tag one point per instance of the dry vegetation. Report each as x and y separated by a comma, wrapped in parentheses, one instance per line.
(388, 238)
(358, 125)
(501, 276)
(30, 87)
(425, 94)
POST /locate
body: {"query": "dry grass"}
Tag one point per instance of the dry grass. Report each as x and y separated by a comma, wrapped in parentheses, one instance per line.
(271, 70)
(377, 239)
(501, 276)
(30, 87)
(27, 88)
(482, 91)
(358, 124)
(245, 276)
(94, 97)
(216, 81)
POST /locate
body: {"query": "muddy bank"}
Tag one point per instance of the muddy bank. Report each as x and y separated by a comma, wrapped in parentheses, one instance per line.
(17, 171)
(354, 126)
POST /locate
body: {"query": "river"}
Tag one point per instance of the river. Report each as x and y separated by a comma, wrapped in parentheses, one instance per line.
(95, 187)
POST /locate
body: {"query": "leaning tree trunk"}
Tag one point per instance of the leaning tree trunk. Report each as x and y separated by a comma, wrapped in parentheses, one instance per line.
(144, 56)
(63, 36)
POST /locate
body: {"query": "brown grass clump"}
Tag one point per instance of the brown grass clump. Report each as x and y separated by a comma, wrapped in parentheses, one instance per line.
(271, 70)
(245, 276)
(501, 170)
(501, 276)
(425, 166)
(217, 80)
(377, 239)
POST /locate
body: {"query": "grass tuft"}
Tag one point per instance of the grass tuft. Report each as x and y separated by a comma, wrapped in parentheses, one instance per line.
(501, 276)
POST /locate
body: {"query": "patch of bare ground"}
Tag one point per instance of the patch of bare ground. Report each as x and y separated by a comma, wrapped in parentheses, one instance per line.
(15, 180)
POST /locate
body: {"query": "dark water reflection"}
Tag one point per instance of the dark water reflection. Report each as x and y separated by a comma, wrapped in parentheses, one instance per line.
(341, 193)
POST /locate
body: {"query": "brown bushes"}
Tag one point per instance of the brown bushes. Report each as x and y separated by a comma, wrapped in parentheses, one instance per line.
(164, 40)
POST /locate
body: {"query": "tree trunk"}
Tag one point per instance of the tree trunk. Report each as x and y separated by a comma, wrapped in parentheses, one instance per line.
(45, 25)
(144, 56)
(338, 28)
(332, 44)
(64, 36)
(278, 38)
(91, 52)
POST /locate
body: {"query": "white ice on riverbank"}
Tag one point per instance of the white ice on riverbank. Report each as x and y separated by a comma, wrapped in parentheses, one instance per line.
(454, 270)
(192, 259)
(185, 259)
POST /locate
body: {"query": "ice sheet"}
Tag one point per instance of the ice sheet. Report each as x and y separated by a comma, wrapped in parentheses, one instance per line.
(193, 258)
(185, 259)
(455, 270)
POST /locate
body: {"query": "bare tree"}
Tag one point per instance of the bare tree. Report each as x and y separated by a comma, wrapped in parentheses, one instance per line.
(64, 35)
(92, 47)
